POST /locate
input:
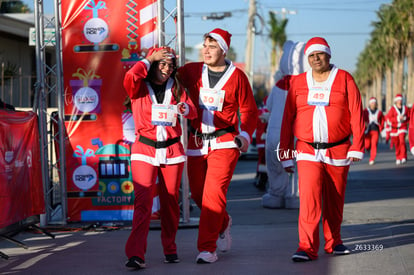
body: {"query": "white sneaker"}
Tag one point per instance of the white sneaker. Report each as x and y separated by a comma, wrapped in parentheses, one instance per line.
(398, 162)
(371, 162)
(224, 240)
(206, 257)
(403, 161)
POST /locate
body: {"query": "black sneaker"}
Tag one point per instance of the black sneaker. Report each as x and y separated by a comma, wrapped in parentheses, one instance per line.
(341, 249)
(171, 259)
(135, 263)
(301, 256)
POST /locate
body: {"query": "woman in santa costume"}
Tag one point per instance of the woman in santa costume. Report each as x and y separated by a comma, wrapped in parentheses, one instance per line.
(224, 126)
(157, 152)
(398, 117)
(323, 110)
(374, 123)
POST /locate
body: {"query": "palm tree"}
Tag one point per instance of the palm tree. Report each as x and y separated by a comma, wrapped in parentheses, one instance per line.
(278, 37)
(390, 47)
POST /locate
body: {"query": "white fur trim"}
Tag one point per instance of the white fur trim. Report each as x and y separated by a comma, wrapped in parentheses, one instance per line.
(397, 98)
(147, 63)
(155, 162)
(323, 158)
(246, 136)
(317, 48)
(220, 41)
(412, 150)
(355, 154)
(373, 100)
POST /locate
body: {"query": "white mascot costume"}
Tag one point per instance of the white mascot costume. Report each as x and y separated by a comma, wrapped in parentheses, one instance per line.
(283, 189)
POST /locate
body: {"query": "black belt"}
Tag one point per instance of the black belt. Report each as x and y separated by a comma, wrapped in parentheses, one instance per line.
(324, 145)
(158, 144)
(215, 134)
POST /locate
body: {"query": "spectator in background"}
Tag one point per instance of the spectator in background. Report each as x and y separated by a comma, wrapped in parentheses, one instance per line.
(261, 171)
(374, 123)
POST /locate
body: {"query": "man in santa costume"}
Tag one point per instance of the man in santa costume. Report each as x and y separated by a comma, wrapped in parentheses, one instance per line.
(226, 120)
(398, 117)
(323, 110)
(157, 152)
(411, 131)
(374, 123)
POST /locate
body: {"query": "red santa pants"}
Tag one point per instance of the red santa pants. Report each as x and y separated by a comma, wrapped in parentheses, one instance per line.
(321, 190)
(371, 143)
(144, 177)
(209, 178)
(261, 161)
(400, 147)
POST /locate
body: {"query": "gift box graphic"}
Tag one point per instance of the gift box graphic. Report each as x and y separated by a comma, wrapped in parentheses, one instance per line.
(86, 92)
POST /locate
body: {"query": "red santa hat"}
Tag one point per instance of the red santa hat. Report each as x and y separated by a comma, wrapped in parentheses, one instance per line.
(222, 37)
(372, 100)
(398, 97)
(317, 44)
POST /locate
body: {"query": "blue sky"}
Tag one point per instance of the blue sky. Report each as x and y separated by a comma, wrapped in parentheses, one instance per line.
(346, 24)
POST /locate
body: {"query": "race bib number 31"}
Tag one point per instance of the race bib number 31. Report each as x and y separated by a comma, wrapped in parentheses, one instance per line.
(164, 114)
(211, 99)
(319, 96)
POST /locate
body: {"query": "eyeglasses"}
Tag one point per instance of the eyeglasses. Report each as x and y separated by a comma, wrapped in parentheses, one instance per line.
(170, 66)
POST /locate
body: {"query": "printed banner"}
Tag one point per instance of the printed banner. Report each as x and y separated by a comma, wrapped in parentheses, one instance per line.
(21, 188)
(101, 40)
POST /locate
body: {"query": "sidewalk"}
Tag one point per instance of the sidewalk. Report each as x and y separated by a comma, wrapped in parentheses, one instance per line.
(378, 226)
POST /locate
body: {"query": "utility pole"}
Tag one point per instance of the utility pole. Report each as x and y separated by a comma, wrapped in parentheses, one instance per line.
(250, 41)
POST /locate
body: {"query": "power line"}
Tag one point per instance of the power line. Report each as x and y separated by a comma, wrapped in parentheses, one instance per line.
(294, 34)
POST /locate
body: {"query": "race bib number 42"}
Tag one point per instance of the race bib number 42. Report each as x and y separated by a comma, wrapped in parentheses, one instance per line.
(164, 114)
(211, 99)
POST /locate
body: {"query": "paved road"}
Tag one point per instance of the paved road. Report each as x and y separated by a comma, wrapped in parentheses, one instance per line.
(378, 225)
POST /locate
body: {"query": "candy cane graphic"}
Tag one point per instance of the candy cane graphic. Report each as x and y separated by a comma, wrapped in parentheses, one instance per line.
(141, 30)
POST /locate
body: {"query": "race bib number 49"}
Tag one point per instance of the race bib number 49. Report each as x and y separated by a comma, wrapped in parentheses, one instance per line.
(319, 96)
(164, 114)
(211, 99)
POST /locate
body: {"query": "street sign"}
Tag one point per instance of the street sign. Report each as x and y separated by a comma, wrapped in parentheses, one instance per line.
(48, 37)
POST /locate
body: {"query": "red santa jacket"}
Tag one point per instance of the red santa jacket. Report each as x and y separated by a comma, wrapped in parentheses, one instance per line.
(334, 123)
(142, 100)
(411, 131)
(398, 125)
(373, 118)
(238, 96)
